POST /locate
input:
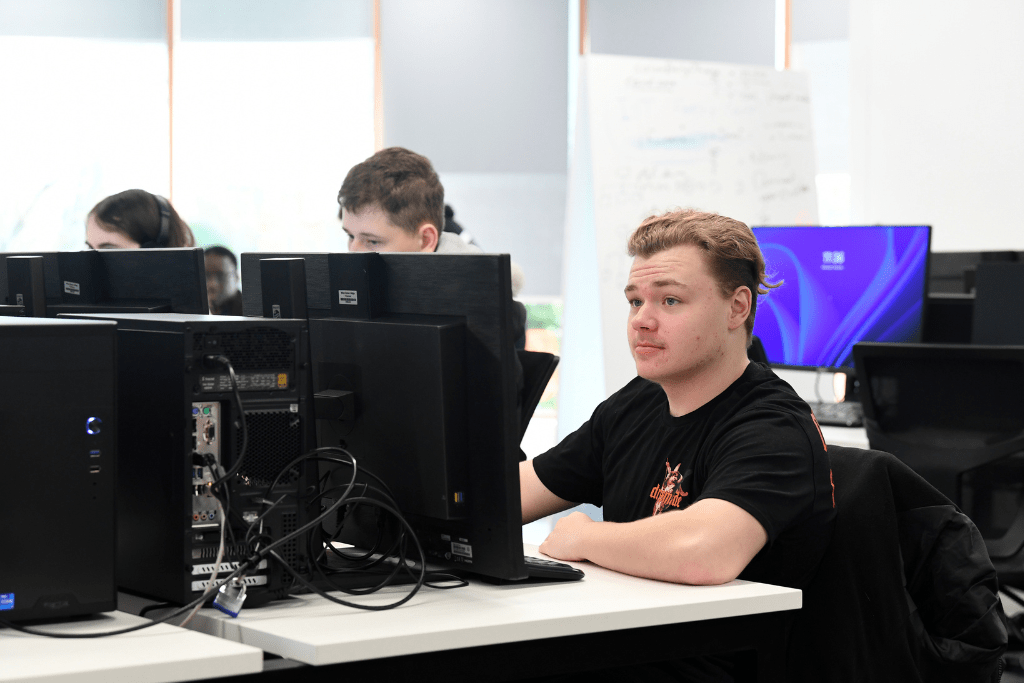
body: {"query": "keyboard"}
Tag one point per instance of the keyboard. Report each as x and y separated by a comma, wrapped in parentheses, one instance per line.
(846, 414)
(550, 570)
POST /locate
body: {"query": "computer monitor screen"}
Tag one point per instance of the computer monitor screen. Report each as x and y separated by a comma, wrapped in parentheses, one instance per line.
(841, 285)
(431, 374)
(131, 281)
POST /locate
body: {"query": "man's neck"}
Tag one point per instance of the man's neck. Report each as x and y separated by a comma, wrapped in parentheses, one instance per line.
(687, 394)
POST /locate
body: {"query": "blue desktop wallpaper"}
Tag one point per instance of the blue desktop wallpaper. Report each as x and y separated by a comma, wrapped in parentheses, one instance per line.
(841, 285)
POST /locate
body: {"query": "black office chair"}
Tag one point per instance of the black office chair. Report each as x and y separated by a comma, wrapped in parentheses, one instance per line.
(537, 370)
(755, 351)
(905, 591)
(955, 415)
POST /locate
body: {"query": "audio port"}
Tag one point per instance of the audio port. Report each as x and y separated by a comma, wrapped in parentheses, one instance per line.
(211, 515)
(195, 517)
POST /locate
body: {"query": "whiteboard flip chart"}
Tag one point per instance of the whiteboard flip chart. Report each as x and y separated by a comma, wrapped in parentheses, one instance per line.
(658, 134)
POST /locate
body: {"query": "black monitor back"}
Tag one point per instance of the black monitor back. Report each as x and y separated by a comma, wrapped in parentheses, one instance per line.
(452, 301)
(51, 278)
(948, 318)
(131, 281)
(954, 272)
(998, 315)
(955, 414)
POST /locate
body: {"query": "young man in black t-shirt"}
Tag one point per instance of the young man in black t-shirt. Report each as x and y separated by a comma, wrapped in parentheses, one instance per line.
(709, 467)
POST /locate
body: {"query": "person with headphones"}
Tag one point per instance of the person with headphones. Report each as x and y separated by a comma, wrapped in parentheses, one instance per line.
(136, 219)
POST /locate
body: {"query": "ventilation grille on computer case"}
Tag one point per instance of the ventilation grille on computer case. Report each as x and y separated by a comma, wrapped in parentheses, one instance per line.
(275, 439)
(289, 550)
(258, 348)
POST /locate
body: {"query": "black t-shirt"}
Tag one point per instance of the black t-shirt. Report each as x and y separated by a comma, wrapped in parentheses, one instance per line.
(755, 445)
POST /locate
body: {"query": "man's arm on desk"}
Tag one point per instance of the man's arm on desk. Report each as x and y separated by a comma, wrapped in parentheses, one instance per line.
(537, 500)
(710, 542)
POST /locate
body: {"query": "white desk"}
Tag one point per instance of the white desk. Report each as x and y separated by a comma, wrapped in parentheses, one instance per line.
(845, 436)
(152, 655)
(312, 630)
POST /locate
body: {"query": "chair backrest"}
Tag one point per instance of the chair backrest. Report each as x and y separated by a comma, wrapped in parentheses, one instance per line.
(755, 351)
(905, 591)
(955, 415)
(537, 370)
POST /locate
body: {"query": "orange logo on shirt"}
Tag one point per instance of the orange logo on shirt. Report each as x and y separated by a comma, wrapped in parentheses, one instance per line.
(668, 494)
(832, 481)
(818, 427)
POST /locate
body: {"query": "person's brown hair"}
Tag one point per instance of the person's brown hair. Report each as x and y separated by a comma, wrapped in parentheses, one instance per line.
(732, 253)
(402, 183)
(136, 214)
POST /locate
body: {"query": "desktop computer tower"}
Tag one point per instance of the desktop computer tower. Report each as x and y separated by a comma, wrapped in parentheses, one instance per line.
(58, 427)
(177, 407)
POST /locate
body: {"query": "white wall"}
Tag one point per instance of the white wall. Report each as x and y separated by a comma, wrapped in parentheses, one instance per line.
(733, 31)
(935, 123)
(480, 88)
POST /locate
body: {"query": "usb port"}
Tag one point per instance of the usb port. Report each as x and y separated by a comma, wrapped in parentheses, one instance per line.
(94, 453)
(94, 469)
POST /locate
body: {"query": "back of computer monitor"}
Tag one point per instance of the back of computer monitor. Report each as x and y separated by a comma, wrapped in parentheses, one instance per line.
(433, 359)
(949, 318)
(999, 303)
(955, 415)
(132, 281)
(51, 283)
(25, 283)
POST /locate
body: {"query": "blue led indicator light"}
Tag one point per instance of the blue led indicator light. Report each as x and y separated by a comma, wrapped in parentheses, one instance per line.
(93, 425)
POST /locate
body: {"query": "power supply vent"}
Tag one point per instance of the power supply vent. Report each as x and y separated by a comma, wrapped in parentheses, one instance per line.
(275, 439)
(257, 348)
(233, 552)
(289, 550)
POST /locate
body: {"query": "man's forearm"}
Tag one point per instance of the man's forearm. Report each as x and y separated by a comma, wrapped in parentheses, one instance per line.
(697, 546)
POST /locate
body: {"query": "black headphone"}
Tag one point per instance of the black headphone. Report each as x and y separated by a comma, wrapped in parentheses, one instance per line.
(165, 225)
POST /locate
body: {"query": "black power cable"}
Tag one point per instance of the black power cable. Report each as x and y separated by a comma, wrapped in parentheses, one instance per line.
(242, 568)
(423, 578)
(223, 360)
(401, 563)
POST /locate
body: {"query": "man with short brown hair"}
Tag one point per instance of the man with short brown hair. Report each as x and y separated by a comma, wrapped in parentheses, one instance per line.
(394, 201)
(708, 466)
(748, 491)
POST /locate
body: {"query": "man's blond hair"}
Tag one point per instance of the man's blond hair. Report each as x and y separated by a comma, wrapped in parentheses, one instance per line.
(732, 253)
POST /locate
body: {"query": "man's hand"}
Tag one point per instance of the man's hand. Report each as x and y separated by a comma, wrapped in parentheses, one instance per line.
(564, 542)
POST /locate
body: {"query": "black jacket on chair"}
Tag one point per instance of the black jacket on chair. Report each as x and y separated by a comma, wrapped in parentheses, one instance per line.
(905, 591)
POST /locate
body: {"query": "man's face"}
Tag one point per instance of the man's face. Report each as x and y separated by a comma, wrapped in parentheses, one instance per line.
(370, 229)
(221, 279)
(678, 319)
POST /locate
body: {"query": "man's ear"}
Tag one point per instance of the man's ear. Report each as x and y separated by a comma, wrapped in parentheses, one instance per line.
(428, 236)
(740, 308)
